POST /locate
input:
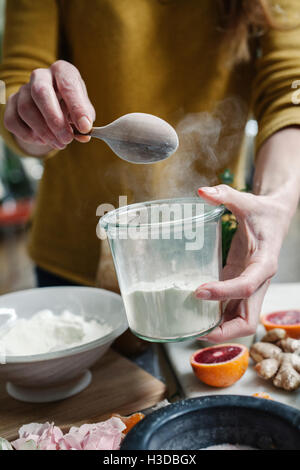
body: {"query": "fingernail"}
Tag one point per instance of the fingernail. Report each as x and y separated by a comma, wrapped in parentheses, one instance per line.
(209, 190)
(84, 124)
(203, 294)
(84, 141)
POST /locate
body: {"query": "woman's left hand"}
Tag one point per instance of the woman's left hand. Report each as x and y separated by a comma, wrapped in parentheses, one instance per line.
(252, 259)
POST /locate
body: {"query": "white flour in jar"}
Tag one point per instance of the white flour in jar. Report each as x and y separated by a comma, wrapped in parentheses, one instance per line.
(45, 332)
(168, 309)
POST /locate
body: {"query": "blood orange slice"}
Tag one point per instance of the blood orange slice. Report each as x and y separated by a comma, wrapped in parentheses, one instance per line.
(130, 421)
(264, 395)
(221, 365)
(288, 320)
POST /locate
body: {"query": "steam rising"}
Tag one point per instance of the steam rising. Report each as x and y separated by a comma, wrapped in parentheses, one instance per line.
(209, 142)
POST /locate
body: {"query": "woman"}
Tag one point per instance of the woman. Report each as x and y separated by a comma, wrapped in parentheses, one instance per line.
(211, 60)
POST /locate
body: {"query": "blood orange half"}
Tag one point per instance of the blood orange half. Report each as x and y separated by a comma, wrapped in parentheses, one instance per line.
(221, 365)
(288, 320)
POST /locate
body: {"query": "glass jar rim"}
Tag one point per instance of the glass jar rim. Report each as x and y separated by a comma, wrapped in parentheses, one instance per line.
(108, 221)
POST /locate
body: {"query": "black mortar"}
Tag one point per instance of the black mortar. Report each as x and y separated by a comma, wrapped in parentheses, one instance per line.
(217, 419)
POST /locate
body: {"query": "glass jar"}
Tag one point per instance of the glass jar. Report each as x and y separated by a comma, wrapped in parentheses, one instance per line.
(163, 250)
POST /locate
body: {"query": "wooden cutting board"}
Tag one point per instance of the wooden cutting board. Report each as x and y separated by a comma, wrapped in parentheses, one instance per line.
(118, 386)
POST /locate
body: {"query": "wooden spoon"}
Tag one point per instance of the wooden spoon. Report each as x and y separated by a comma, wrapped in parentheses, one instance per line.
(138, 138)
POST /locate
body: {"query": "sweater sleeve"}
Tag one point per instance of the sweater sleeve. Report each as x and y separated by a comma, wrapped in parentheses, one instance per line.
(30, 41)
(277, 69)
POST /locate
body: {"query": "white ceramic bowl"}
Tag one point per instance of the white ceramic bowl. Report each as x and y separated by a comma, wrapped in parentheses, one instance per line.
(60, 374)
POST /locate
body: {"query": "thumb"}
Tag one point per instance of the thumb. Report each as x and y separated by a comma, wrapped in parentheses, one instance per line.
(236, 201)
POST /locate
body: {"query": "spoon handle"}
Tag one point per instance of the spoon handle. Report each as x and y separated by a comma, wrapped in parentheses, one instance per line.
(94, 132)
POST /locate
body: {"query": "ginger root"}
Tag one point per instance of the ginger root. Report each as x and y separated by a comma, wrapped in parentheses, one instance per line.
(278, 358)
(267, 368)
(272, 336)
(260, 351)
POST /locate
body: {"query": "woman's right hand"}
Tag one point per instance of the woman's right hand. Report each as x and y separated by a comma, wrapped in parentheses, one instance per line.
(41, 113)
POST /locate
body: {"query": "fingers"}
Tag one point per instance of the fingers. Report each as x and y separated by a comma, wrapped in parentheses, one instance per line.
(84, 139)
(14, 123)
(235, 328)
(30, 115)
(241, 287)
(80, 138)
(236, 201)
(41, 112)
(240, 318)
(45, 99)
(73, 91)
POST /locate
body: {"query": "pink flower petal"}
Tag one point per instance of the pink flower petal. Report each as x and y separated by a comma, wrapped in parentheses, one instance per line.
(106, 435)
(112, 423)
(33, 429)
(70, 441)
(46, 436)
(24, 443)
(57, 433)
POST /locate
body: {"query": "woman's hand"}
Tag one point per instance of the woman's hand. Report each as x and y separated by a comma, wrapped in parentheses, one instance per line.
(252, 259)
(39, 115)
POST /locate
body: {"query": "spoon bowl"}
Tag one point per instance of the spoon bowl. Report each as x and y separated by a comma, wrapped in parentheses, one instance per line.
(139, 138)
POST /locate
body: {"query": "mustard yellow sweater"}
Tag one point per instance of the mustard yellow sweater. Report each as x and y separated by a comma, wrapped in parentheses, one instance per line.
(168, 58)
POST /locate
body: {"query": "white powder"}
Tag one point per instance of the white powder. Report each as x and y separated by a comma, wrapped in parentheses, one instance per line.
(45, 332)
(168, 309)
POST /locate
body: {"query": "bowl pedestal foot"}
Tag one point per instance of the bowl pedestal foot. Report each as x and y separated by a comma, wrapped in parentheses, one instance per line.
(50, 394)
